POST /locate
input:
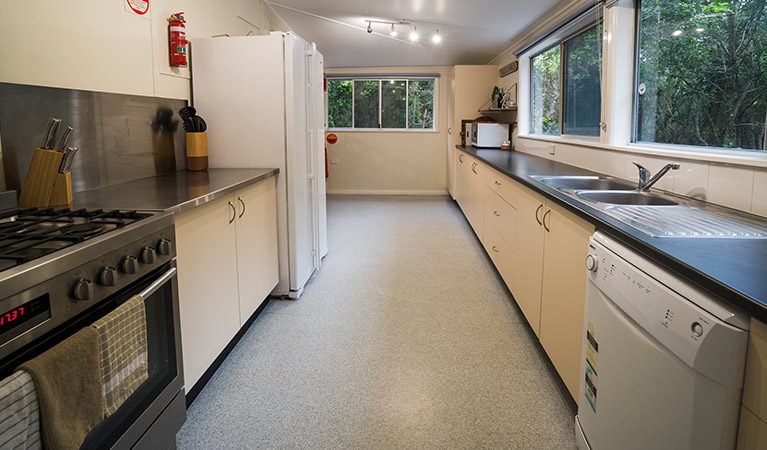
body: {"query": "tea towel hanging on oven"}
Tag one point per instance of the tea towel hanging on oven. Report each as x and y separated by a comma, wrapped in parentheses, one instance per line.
(19, 413)
(68, 390)
(123, 352)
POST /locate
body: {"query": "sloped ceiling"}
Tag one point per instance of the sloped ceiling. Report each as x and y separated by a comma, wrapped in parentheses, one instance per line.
(473, 32)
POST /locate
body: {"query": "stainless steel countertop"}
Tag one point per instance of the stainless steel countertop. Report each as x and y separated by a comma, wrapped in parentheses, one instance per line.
(174, 192)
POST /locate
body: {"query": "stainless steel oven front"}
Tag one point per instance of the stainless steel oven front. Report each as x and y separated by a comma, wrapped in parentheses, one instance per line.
(150, 417)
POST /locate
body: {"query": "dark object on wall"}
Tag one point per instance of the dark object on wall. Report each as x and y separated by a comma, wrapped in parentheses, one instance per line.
(508, 68)
(115, 133)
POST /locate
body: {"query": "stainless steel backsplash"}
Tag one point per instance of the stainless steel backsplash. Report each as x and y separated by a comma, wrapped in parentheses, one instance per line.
(121, 137)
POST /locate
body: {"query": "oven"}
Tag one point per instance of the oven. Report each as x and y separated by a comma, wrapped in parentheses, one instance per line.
(113, 269)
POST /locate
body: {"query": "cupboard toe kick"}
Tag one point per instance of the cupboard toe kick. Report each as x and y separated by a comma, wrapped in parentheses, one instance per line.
(538, 248)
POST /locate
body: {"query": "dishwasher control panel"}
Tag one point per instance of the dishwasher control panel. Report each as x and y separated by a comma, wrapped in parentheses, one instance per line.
(680, 323)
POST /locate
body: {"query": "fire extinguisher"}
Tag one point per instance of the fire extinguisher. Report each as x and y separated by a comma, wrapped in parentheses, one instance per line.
(177, 40)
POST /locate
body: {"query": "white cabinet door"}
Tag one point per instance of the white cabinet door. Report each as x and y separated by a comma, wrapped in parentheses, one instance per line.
(207, 282)
(257, 263)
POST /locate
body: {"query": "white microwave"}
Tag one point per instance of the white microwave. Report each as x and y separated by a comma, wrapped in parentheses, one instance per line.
(489, 134)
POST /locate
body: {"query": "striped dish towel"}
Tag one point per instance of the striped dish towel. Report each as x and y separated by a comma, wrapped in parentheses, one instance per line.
(19, 413)
(123, 351)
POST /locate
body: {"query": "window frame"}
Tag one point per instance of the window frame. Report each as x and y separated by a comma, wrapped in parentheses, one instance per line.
(381, 80)
(577, 30)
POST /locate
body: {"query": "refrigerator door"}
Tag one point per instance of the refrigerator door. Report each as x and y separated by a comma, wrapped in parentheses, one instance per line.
(318, 139)
(302, 245)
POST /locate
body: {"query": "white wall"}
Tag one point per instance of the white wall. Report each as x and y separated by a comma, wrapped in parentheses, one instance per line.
(101, 45)
(392, 162)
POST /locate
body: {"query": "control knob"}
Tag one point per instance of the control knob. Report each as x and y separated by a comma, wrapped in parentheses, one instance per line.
(82, 290)
(592, 263)
(147, 255)
(108, 276)
(164, 247)
(129, 265)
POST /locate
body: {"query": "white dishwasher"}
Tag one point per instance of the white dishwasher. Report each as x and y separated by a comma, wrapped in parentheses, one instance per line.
(662, 364)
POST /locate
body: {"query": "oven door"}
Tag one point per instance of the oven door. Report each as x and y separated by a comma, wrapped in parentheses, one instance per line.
(151, 416)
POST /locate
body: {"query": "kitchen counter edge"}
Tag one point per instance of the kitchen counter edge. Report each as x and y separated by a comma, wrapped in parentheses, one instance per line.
(175, 192)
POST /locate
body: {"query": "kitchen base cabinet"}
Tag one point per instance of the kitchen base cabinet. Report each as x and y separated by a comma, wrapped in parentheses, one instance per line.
(470, 191)
(256, 226)
(563, 296)
(227, 265)
(752, 433)
(207, 284)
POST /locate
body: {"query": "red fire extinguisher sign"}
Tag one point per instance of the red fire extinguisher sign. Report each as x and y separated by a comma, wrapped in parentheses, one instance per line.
(177, 40)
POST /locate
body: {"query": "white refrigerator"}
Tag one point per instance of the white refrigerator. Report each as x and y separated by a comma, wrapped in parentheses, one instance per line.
(262, 98)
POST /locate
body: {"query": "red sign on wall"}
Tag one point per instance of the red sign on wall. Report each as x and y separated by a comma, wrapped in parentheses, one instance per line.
(139, 7)
(332, 138)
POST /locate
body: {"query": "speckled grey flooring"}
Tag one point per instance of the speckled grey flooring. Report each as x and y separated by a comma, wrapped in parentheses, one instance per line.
(405, 339)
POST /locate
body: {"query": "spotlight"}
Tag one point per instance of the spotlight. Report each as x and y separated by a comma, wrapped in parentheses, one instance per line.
(414, 34)
(676, 33)
(370, 28)
(436, 38)
(393, 32)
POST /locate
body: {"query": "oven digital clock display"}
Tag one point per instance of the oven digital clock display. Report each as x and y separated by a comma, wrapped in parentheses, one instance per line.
(31, 313)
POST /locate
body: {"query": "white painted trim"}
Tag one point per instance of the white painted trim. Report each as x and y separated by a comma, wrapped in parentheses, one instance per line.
(746, 158)
(386, 192)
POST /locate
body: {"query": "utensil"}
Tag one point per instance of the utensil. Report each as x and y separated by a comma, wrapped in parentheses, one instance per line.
(65, 139)
(66, 161)
(199, 124)
(47, 132)
(52, 137)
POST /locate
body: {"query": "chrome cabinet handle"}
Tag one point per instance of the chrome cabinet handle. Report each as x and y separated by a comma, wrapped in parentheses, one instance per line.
(234, 212)
(472, 168)
(497, 183)
(544, 220)
(536, 214)
(460, 157)
(495, 249)
(496, 213)
(243, 206)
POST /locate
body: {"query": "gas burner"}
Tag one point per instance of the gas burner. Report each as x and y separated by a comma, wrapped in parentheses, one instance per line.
(26, 234)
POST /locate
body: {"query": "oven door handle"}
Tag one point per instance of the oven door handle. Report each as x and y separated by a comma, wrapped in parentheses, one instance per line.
(152, 288)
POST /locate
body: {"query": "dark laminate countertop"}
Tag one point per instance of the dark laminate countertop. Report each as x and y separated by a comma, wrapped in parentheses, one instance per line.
(172, 192)
(732, 269)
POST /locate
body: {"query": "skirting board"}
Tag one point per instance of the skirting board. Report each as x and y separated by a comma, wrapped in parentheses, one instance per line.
(386, 192)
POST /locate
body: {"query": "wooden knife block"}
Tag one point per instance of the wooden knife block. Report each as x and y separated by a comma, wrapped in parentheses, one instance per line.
(44, 185)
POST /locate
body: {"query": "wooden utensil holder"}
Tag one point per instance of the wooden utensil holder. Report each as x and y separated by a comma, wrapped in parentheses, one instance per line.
(197, 151)
(44, 186)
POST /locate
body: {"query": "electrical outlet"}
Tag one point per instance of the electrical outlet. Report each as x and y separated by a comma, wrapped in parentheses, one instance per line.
(333, 160)
(552, 149)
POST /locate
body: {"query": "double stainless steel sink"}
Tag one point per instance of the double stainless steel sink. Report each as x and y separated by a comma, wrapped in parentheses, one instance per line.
(656, 214)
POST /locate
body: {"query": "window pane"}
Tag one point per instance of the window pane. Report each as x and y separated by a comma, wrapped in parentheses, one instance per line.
(366, 104)
(702, 73)
(339, 103)
(421, 104)
(583, 97)
(393, 103)
(544, 96)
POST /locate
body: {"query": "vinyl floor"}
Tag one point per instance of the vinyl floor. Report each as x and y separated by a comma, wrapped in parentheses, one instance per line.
(406, 338)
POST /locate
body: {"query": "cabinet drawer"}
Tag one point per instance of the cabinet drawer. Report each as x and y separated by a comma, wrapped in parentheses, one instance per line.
(502, 215)
(501, 185)
(501, 254)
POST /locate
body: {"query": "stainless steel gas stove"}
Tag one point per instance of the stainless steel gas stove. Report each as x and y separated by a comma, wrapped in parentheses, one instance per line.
(61, 269)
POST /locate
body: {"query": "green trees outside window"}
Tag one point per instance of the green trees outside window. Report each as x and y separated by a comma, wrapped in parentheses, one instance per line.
(702, 73)
(383, 103)
(571, 105)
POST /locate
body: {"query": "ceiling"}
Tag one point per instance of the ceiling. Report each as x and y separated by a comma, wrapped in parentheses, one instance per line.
(473, 32)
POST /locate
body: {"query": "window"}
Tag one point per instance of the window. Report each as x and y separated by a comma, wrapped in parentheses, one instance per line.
(401, 104)
(565, 95)
(702, 73)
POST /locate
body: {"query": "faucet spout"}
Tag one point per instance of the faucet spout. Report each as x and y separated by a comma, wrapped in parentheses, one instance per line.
(645, 184)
